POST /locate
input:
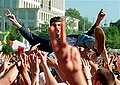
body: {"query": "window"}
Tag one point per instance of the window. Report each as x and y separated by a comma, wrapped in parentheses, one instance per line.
(14, 3)
(21, 14)
(7, 3)
(39, 15)
(29, 5)
(0, 24)
(0, 3)
(26, 4)
(42, 16)
(31, 25)
(41, 3)
(31, 15)
(0, 13)
(14, 12)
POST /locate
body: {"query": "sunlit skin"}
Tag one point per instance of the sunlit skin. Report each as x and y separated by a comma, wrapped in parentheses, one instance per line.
(68, 56)
(118, 65)
(57, 26)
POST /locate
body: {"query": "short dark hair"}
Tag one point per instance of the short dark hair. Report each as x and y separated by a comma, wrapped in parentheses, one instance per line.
(55, 19)
(105, 76)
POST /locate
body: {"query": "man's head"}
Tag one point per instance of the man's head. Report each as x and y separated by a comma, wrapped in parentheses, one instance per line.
(56, 22)
(104, 77)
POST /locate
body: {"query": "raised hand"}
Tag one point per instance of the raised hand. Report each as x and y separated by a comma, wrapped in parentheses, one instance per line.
(6, 61)
(34, 64)
(12, 18)
(101, 15)
(52, 62)
(86, 68)
(33, 49)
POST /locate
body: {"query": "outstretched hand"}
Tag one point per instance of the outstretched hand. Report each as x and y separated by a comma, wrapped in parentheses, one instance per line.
(12, 18)
(101, 15)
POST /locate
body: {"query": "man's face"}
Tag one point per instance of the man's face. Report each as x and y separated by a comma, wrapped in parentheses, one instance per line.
(57, 26)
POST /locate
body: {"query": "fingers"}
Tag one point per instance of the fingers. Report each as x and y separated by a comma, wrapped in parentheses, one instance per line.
(9, 12)
(102, 13)
(101, 10)
(85, 62)
(63, 33)
(35, 47)
(53, 38)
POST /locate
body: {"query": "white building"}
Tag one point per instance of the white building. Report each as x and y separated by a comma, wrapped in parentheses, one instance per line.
(71, 23)
(31, 13)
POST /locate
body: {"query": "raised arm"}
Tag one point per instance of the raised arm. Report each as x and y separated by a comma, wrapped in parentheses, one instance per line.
(10, 76)
(52, 62)
(50, 80)
(100, 16)
(12, 18)
(32, 38)
(23, 69)
(34, 68)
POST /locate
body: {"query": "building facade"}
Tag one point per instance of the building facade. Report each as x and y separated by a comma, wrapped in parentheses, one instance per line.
(30, 13)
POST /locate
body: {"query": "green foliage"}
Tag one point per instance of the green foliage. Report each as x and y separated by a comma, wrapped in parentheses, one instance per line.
(42, 31)
(14, 34)
(112, 37)
(7, 49)
(75, 14)
(68, 31)
(44, 27)
(118, 24)
(44, 35)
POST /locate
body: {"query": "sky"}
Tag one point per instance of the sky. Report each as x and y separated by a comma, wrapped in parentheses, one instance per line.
(90, 9)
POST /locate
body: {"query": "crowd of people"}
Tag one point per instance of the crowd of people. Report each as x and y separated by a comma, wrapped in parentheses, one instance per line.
(78, 59)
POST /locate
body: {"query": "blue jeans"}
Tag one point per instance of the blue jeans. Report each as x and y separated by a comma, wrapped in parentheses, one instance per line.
(85, 41)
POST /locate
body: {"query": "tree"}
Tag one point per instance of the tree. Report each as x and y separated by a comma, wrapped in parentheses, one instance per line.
(7, 49)
(118, 24)
(70, 25)
(42, 31)
(112, 37)
(72, 12)
(14, 34)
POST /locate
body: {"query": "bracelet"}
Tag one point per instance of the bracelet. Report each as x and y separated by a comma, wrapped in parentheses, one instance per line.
(88, 79)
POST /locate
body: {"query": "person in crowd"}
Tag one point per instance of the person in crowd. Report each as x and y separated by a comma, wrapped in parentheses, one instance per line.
(84, 40)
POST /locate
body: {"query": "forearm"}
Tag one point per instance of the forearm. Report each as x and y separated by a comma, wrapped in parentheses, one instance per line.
(10, 76)
(26, 78)
(30, 37)
(107, 61)
(2, 70)
(93, 65)
(60, 73)
(35, 79)
(50, 80)
(98, 22)
(89, 81)
(117, 82)
(18, 25)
